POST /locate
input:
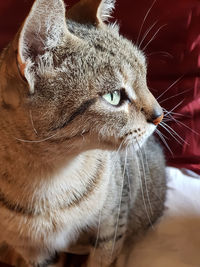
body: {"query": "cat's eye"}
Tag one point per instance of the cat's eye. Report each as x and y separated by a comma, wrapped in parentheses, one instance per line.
(113, 98)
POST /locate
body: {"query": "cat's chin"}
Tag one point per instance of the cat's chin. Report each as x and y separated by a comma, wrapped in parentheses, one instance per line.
(138, 141)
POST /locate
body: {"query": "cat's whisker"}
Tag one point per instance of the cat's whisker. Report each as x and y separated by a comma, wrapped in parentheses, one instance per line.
(145, 174)
(158, 131)
(164, 141)
(142, 191)
(173, 96)
(170, 128)
(164, 53)
(150, 180)
(173, 133)
(36, 141)
(144, 20)
(166, 113)
(129, 182)
(100, 213)
(168, 88)
(146, 33)
(32, 123)
(154, 36)
(119, 207)
(171, 118)
(98, 232)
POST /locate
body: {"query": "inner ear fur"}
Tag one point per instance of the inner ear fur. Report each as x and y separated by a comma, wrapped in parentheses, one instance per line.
(12, 83)
(94, 12)
(44, 29)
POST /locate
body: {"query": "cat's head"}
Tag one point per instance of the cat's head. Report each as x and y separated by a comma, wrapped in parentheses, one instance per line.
(77, 81)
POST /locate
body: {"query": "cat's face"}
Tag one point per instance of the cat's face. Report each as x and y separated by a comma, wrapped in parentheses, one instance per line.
(87, 84)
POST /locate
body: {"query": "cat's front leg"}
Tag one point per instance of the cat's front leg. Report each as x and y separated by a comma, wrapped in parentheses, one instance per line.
(108, 241)
(105, 254)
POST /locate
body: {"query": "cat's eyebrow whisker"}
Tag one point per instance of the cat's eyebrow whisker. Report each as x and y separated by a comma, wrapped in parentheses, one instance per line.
(168, 88)
(173, 96)
(162, 137)
(160, 52)
(154, 36)
(146, 33)
(119, 208)
(144, 20)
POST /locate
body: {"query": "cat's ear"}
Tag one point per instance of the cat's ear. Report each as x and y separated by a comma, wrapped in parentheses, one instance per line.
(44, 29)
(94, 12)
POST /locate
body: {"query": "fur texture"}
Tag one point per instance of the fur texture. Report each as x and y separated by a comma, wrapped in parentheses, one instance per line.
(77, 172)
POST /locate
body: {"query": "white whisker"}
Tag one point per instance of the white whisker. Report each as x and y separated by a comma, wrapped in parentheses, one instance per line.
(154, 36)
(129, 185)
(146, 33)
(166, 112)
(119, 208)
(182, 124)
(174, 107)
(98, 232)
(35, 141)
(164, 53)
(168, 88)
(164, 141)
(145, 17)
(145, 175)
(173, 96)
(32, 123)
(171, 130)
(142, 192)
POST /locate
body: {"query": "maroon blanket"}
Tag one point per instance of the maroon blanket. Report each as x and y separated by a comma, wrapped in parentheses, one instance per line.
(174, 62)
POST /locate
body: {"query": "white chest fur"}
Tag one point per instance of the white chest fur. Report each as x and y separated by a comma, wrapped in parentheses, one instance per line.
(63, 204)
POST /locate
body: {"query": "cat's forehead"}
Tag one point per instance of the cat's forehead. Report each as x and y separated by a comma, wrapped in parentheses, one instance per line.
(108, 43)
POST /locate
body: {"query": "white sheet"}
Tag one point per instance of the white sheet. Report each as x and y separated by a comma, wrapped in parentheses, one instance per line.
(175, 242)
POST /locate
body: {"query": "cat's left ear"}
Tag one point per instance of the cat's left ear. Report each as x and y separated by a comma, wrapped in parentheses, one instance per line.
(94, 12)
(44, 29)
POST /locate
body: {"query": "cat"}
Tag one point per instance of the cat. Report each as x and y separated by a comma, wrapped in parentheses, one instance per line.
(80, 170)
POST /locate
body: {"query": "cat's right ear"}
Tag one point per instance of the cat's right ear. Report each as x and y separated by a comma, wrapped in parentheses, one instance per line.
(44, 29)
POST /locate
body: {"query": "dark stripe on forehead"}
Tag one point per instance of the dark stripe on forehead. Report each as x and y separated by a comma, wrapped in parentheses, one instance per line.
(80, 110)
(107, 50)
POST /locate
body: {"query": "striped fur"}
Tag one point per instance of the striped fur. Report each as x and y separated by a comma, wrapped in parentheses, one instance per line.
(77, 174)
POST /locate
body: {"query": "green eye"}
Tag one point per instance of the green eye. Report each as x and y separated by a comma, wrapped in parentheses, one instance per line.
(113, 98)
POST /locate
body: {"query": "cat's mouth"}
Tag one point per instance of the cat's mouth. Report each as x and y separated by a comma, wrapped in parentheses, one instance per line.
(137, 137)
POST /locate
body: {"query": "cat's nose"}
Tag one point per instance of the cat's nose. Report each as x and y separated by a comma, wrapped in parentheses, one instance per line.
(157, 116)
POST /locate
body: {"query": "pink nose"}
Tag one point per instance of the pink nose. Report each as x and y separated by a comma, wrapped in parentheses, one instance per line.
(158, 119)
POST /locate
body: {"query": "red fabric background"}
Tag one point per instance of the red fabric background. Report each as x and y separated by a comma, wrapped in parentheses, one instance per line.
(173, 57)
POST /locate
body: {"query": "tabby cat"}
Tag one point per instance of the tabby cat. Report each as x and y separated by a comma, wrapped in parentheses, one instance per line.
(79, 171)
